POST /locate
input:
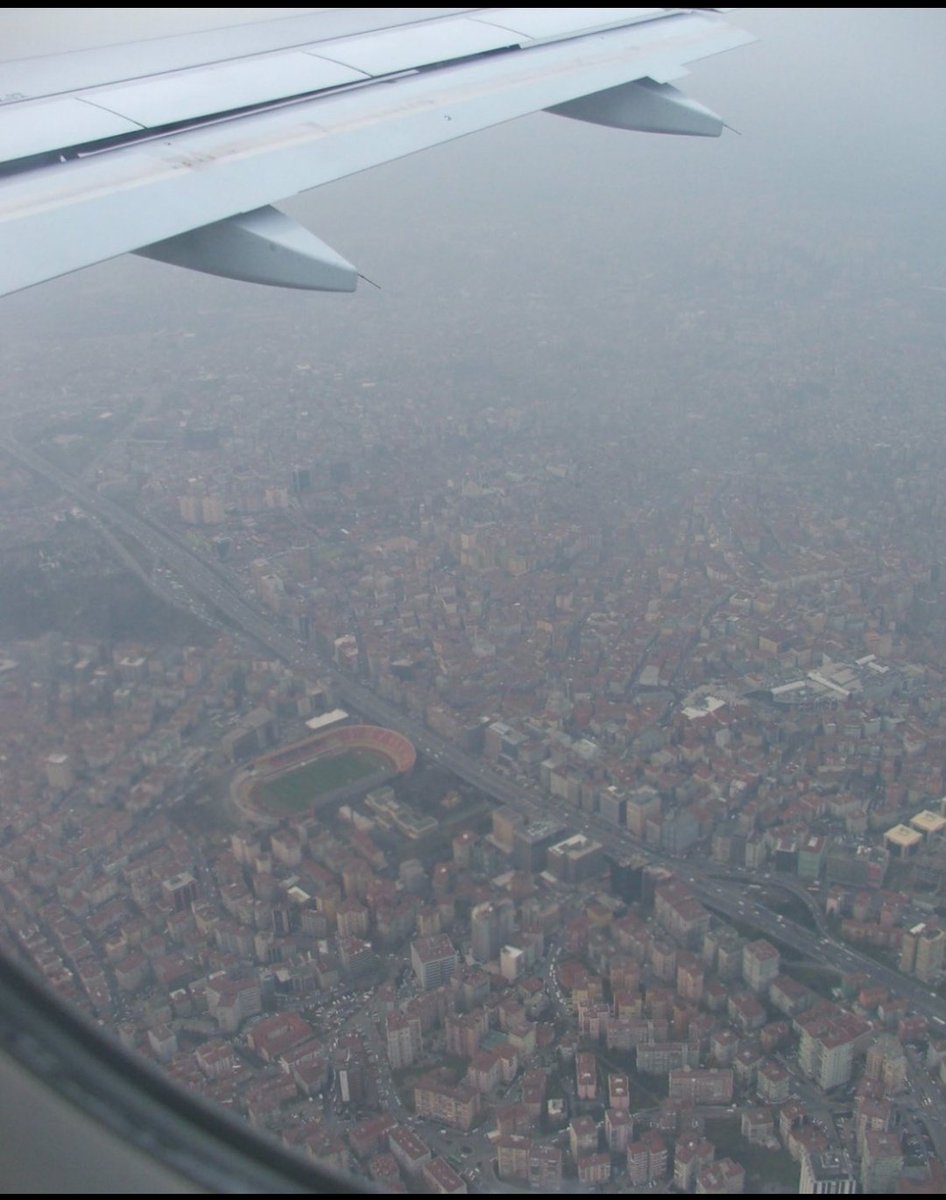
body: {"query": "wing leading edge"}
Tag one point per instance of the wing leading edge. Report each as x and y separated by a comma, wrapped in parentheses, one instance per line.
(184, 164)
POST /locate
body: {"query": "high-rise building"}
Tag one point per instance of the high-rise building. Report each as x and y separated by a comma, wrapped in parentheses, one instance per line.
(576, 859)
(679, 912)
(180, 890)
(618, 1129)
(594, 1169)
(403, 1039)
(691, 1154)
(882, 1162)
(886, 1062)
(647, 1159)
(612, 806)
(690, 977)
(829, 1173)
(642, 804)
(301, 479)
(760, 964)
(189, 509)
(211, 510)
(625, 872)
(434, 960)
(511, 962)
(826, 1049)
(59, 772)
(586, 1076)
(505, 822)
(923, 952)
(545, 1168)
(618, 1091)
(530, 843)
(811, 855)
(582, 1136)
(491, 923)
(512, 1156)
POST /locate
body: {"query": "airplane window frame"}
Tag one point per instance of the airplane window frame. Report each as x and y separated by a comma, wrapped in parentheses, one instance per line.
(170, 1131)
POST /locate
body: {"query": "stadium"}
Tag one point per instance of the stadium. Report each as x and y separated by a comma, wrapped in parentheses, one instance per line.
(332, 766)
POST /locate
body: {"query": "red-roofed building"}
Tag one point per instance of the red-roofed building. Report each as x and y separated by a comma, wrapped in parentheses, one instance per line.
(441, 1179)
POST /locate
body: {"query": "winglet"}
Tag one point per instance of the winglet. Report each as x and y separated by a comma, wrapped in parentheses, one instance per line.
(263, 246)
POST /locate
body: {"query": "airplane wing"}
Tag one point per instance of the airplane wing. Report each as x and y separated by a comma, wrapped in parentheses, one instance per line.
(176, 148)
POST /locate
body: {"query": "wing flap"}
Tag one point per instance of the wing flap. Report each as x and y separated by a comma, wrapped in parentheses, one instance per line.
(222, 87)
(41, 126)
(54, 74)
(156, 100)
(394, 50)
(541, 24)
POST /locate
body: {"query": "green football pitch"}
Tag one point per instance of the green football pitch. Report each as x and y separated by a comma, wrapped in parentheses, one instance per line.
(297, 789)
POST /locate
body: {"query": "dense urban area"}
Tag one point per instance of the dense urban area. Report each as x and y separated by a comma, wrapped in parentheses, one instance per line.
(480, 791)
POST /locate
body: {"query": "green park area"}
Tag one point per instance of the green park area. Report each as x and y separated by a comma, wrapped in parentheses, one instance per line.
(298, 789)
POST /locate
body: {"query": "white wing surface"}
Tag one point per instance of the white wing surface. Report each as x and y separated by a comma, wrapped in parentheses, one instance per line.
(177, 147)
